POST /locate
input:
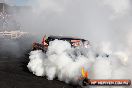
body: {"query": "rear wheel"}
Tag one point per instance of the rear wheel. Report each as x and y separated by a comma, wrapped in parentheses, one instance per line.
(34, 48)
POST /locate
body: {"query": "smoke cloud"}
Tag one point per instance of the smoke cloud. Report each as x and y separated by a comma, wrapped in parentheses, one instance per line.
(59, 61)
(65, 63)
(96, 20)
(119, 7)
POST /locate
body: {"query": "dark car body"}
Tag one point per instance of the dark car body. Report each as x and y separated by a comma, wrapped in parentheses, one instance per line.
(75, 42)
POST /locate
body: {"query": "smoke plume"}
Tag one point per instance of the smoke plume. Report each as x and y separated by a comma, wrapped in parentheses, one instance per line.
(59, 61)
(65, 63)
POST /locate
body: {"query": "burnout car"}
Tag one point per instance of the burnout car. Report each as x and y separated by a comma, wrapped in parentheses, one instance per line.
(75, 42)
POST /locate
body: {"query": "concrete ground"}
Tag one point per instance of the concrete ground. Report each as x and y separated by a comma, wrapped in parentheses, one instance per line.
(14, 74)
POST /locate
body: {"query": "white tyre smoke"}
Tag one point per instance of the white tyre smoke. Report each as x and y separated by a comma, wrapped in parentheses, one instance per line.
(65, 63)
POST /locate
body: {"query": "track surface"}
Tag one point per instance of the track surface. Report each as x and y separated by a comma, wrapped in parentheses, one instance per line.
(14, 74)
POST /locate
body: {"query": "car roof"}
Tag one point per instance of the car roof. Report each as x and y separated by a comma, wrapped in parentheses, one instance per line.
(65, 38)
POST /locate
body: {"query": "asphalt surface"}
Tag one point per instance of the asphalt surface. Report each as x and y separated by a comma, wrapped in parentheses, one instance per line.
(14, 74)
